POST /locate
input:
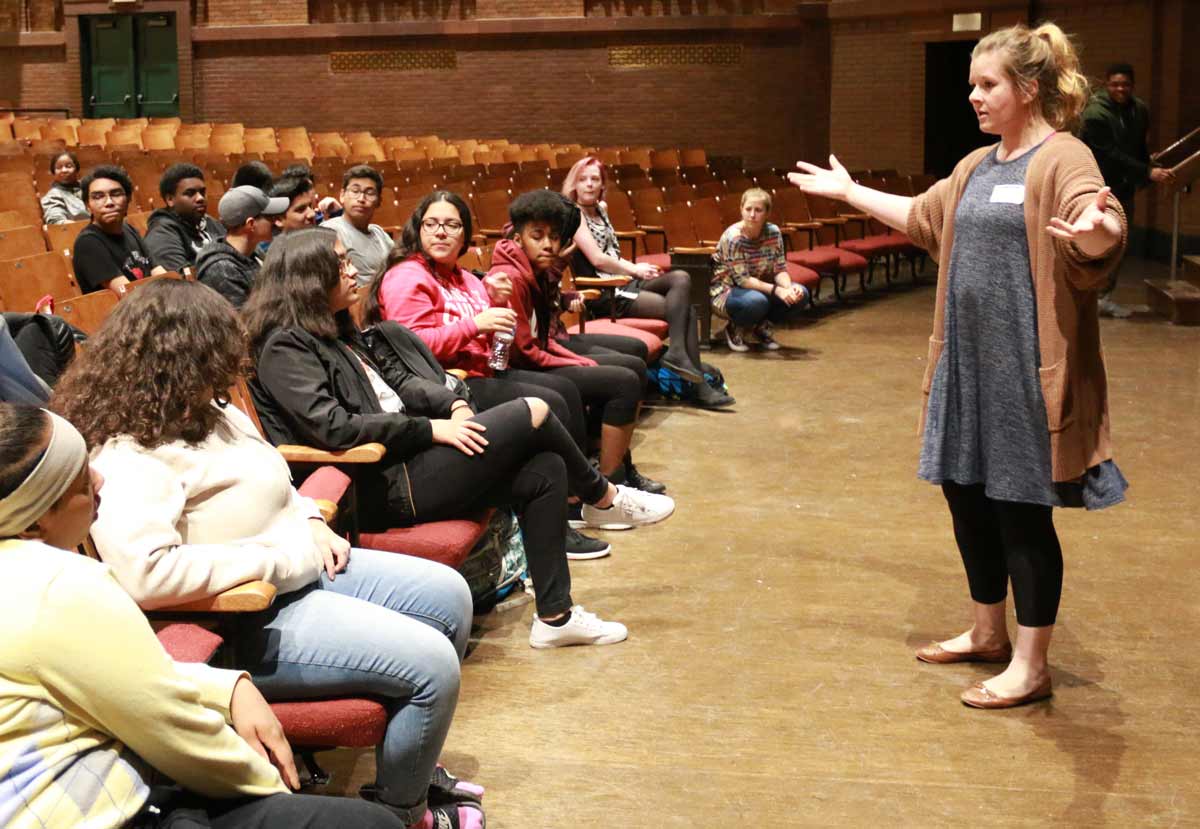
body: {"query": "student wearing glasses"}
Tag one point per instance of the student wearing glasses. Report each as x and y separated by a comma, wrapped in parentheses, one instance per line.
(368, 244)
(109, 253)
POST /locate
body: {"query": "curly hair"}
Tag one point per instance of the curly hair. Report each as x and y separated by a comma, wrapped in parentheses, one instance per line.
(167, 351)
(1044, 63)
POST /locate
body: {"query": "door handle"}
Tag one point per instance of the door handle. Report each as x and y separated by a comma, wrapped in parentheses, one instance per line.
(92, 99)
(127, 98)
(139, 97)
(175, 98)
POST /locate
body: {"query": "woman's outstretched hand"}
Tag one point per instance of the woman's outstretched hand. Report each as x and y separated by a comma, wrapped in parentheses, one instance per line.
(1095, 231)
(833, 183)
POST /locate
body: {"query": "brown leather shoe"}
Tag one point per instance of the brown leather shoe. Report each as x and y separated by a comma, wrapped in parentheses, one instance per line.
(935, 654)
(978, 696)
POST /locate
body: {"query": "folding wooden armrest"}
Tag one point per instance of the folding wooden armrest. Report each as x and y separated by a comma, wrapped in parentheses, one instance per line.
(855, 217)
(653, 229)
(802, 225)
(601, 281)
(832, 220)
(245, 598)
(589, 294)
(710, 243)
(458, 372)
(367, 453)
(708, 250)
(631, 234)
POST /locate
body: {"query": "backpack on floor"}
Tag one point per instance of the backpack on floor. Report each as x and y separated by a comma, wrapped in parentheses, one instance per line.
(673, 387)
(496, 564)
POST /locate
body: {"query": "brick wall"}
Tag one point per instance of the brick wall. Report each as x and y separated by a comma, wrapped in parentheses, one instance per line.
(629, 8)
(255, 12)
(35, 77)
(771, 108)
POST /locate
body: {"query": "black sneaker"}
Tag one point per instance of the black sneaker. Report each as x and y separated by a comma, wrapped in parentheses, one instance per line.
(581, 547)
(707, 397)
(637, 480)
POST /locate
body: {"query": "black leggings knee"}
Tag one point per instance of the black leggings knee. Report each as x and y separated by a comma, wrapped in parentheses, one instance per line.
(1002, 540)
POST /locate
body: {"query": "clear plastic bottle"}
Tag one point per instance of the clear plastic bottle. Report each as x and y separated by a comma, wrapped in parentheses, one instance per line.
(501, 343)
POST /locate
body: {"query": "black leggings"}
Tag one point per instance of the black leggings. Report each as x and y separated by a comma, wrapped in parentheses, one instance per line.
(615, 385)
(529, 470)
(560, 395)
(588, 344)
(999, 540)
(669, 297)
(280, 811)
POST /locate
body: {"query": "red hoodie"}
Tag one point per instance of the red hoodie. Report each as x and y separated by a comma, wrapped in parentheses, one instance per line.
(534, 348)
(441, 311)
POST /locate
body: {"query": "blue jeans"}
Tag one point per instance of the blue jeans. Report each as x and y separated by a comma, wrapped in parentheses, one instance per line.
(391, 626)
(747, 307)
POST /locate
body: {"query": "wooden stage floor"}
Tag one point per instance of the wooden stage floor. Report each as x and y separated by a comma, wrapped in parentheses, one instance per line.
(769, 679)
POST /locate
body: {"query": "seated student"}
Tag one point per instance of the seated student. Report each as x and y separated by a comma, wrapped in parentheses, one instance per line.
(611, 381)
(328, 207)
(750, 283)
(317, 383)
(64, 200)
(254, 174)
(93, 713)
(198, 502)
(648, 293)
(424, 289)
(368, 244)
(176, 233)
(109, 253)
(229, 265)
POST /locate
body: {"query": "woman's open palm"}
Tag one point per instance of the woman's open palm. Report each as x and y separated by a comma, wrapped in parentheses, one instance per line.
(833, 183)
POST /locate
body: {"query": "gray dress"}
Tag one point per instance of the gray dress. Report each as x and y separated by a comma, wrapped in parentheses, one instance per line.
(986, 421)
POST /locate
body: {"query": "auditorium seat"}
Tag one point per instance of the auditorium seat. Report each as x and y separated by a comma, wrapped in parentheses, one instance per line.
(26, 280)
(60, 238)
(21, 241)
(87, 312)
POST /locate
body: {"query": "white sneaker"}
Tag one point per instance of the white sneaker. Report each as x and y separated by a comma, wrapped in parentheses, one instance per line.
(582, 628)
(630, 508)
(733, 339)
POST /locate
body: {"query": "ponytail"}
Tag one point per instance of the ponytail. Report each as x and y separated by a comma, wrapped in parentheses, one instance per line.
(1042, 59)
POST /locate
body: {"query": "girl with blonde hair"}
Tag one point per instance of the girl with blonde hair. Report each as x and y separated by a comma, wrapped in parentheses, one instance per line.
(1015, 418)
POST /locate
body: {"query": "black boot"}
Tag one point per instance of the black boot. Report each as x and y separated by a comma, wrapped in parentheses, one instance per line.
(630, 476)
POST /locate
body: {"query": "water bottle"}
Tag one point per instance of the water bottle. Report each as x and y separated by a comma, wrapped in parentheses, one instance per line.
(501, 342)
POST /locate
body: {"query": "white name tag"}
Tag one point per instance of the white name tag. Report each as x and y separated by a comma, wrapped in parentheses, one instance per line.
(1008, 194)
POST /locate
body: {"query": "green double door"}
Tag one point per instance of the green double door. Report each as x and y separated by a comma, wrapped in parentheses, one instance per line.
(130, 65)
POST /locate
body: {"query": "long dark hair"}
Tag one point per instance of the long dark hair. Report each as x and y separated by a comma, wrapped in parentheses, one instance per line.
(153, 368)
(293, 286)
(410, 245)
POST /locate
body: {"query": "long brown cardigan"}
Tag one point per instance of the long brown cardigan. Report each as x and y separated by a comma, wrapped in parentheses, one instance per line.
(1062, 180)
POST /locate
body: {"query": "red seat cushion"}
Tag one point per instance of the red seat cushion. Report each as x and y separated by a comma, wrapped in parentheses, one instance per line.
(804, 276)
(662, 261)
(904, 244)
(822, 260)
(658, 328)
(847, 260)
(869, 247)
(335, 723)
(186, 642)
(654, 343)
(447, 542)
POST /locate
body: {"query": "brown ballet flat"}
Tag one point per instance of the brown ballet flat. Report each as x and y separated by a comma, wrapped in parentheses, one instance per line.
(978, 696)
(935, 654)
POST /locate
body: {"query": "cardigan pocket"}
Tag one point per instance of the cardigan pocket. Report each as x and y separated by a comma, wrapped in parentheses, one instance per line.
(1054, 394)
(934, 355)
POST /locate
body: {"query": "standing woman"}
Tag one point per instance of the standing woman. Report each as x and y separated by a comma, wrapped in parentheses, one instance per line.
(1016, 409)
(64, 200)
(649, 292)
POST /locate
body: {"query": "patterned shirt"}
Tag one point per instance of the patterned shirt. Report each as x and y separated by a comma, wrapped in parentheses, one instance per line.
(739, 258)
(605, 235)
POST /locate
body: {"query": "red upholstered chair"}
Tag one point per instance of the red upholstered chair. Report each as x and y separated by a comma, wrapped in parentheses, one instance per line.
(792, 215)
(650, 331)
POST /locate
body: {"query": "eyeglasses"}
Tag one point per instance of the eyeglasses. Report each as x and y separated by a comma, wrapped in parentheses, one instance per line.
(102, 195)
(370, 194)
(453, 227)
(344, 262)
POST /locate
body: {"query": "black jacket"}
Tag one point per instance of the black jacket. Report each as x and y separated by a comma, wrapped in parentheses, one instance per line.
(396, 348)
(1116, 136)
(315, 392)
(174, 243)
(226, 271)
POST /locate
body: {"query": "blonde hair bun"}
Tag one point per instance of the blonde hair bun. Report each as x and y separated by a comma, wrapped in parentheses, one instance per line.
(1042, 60)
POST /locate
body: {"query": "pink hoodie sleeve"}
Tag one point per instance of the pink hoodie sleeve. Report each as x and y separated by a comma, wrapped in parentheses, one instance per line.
(410, 296)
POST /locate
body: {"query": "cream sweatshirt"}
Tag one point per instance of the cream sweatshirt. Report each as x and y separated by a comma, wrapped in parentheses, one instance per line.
(182, 522)
(91, 705)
